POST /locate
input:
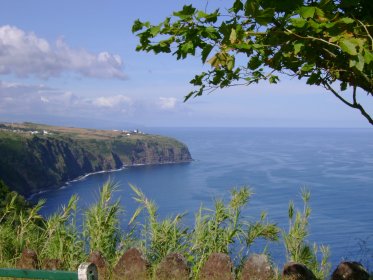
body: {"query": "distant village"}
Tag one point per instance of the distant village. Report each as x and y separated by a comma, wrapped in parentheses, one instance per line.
(129, 132)
(32, 132)
(9, 127)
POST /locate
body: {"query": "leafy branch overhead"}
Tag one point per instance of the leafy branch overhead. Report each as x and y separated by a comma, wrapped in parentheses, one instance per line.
(327, 42)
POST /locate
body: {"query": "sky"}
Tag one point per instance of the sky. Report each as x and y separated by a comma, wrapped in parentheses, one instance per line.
(74, 63)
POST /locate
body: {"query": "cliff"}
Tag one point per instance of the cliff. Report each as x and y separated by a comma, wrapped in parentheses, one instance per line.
(35, 157)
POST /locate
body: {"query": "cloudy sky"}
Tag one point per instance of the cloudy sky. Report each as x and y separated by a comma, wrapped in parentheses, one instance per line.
(74, 63)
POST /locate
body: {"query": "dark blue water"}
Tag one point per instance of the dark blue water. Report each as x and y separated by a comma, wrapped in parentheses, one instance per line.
(336, 165)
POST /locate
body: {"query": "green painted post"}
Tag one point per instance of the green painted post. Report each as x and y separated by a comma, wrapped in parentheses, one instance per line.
(38, 274)
(86, 271)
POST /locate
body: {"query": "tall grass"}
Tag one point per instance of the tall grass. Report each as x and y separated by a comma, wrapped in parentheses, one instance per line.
(295, 241)
(62, 240)
(19, 228)
(160, 238)
(223, 228)
(101, 224)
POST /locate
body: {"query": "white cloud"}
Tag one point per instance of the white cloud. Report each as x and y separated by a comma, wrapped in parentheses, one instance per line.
(33, 102)
(26, 99)
(25, 54)
(44, 99)
(112, 101)
(167, 103)
(15, 97)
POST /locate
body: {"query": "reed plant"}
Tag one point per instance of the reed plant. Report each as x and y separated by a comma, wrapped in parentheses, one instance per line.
(159, 237)
(62, 239)
(222, 228)
(297, 247)
(101, 224)
(216, 230)
(19, 228)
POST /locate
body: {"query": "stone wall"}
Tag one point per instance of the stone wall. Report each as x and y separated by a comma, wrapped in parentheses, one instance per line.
(134, 266)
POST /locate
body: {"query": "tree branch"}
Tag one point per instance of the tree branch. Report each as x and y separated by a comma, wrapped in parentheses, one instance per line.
(354, 105)
(367, 31)
(328, 87)
(312, 38)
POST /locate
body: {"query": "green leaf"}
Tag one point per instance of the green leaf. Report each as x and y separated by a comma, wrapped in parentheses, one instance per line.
(186, 12)
(307, 67)
(343, 86)
(313, 79)
(242, 46)
(155, 30)
(317, 27)
(189, 95)
(225, 30)
(201, 15)
(298, 47)
(352, 63)
(298, 22)
(346, 20)
(137, 25)
(251, 7)
(213, 17)
(265, 17)
(320, 13)
(210, 32)
(187, 47)
(368, 56)
(198, 79)
(254, 63)
(348, 46)
(307, 12)
(330, 24)
(273, 79)
(206, 51)
(237, 6)
(360, 62)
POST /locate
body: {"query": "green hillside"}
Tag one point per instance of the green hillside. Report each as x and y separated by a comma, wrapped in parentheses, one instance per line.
(35, 157)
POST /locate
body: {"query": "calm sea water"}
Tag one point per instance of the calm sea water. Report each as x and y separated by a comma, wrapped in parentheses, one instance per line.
(336, 165)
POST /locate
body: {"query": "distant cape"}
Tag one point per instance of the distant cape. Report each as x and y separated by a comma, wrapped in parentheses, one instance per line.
(37, 157)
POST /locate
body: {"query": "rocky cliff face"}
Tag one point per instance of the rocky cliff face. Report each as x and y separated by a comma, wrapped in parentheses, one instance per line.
(35, 163)
(154, 153)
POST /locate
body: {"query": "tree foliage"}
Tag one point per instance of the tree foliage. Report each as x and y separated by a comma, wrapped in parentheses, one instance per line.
(328, 43)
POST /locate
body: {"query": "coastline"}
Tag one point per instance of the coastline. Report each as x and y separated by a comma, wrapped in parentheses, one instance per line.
(84, 176)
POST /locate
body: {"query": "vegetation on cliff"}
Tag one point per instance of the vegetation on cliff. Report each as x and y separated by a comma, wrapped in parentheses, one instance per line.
(34, 157)
(221, 229)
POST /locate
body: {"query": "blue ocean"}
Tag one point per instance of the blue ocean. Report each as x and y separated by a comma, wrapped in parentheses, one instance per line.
(335, 165)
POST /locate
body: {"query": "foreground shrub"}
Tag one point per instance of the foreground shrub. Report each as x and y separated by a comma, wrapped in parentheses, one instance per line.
(222, 229)
(295, 240)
